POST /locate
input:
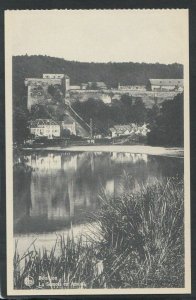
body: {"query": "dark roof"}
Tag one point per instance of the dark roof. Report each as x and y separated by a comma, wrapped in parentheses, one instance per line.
(123, 128)
(68, 122)
(60, 76)
(42, 122)
(98, 83)
(178, 82)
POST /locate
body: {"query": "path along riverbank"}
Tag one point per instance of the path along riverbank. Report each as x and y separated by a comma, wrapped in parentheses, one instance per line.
(142, 149)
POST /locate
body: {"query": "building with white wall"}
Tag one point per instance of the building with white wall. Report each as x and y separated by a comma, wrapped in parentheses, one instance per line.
(159, 85)
(45, 128)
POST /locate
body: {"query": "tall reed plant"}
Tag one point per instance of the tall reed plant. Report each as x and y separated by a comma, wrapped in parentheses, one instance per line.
(141, 236)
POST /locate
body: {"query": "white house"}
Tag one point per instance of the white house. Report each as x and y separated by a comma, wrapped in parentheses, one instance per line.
(45, 128)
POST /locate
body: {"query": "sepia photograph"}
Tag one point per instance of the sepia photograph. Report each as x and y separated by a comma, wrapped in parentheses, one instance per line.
(97, 152)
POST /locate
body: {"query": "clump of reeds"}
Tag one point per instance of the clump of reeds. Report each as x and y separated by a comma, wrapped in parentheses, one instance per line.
(141, 236)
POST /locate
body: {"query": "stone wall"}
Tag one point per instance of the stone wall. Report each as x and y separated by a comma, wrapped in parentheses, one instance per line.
(107, 96)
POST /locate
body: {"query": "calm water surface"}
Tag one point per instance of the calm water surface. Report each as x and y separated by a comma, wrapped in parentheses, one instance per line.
(59, 189)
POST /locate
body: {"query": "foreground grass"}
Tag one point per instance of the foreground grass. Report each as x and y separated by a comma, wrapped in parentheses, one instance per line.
(74, 262)
(137, 242)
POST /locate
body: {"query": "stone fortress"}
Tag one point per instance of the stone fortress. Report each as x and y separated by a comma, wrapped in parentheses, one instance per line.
(41, 90)
(56, 88)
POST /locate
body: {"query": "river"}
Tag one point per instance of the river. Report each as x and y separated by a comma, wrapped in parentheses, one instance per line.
(62, 188)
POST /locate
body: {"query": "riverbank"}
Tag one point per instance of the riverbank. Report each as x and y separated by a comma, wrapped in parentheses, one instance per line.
(140, 149)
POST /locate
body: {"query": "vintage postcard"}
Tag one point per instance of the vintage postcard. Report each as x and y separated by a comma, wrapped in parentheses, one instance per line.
(97, 152)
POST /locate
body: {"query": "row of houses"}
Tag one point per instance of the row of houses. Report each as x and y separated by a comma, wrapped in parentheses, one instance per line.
(129, 130)
(157, 85)
(51, 129)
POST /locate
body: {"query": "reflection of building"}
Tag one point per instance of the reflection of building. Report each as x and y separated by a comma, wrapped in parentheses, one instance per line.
(48, 198)
(66, 186)
(69, 163)
(44, 163)
(44, 128)
(57, 194)
(165, 85)
(121, 157)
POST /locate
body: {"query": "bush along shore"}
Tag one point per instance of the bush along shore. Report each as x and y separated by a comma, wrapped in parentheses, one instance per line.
(137, 241)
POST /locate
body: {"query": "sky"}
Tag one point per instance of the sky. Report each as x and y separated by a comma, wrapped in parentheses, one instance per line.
(149, 36)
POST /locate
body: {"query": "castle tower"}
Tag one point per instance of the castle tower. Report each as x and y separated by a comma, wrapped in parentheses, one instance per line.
(37, 88)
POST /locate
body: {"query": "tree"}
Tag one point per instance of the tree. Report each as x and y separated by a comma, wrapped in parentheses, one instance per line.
(168, 128)
(56, 92)
(152, 114)
(126, 100)
(139, 111)
(20, 125)
(65, 133)
(93, 86)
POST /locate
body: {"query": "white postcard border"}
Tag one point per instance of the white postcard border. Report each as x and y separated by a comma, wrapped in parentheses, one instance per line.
(9, 184)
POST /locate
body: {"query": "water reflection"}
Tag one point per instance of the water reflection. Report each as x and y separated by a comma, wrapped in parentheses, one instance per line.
(64, 187)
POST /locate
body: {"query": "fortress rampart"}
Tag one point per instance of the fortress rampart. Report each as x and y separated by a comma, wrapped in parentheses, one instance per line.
(42, 90)
(107, 96)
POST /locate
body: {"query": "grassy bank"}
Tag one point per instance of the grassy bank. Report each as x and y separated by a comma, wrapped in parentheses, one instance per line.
(137, 242)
